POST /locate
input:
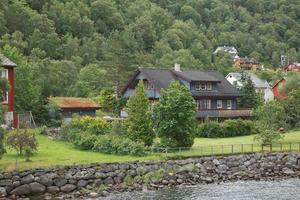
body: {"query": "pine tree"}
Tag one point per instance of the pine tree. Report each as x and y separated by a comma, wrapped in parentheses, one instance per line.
(249, 97)
(139, 124)
(175, 116)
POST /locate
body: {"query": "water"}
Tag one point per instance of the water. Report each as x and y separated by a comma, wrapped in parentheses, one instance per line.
(249, 190)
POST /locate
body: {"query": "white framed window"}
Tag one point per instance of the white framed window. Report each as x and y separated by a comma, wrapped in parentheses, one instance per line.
(208, 86)
(149, 85)
(202, 86)
(197, 86)
(204, 104)
(219, 104)
(4, 73)
(229, 104)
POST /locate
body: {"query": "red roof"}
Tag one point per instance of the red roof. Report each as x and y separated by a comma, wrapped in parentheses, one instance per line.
(74, 102)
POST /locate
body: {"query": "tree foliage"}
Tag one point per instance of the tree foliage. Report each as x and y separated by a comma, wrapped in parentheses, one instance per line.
(249, 97)
(107, 100)
(64, 45)
(139, 123)
(22, 140)
(174, 116)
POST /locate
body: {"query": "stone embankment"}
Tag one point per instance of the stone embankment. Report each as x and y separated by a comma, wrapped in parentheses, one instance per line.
(101, 179)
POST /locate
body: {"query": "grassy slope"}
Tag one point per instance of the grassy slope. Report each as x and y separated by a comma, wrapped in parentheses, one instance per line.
(53, 153)
(289, 137)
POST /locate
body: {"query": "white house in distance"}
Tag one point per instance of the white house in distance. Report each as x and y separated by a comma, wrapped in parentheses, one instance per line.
(228, 49)
(260, 85)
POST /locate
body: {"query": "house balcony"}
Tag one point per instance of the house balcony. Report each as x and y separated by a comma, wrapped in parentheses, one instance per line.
(234, 113)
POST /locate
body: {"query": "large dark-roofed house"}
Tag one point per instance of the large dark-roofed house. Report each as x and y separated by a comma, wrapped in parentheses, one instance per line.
(215, 96)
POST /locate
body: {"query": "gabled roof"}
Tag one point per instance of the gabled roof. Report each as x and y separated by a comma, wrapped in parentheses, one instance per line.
(196, 75)
(5, 62)
(163, 77)
(257, 82)
(74, 102)
(277, 82)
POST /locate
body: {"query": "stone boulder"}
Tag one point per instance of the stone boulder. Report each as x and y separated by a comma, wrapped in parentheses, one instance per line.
(27, 179)
(3, 192)
(68, 188)
(21, 190)
(37, 188)
(45, 180)
(53, 189)
(82, 183)
(60, 182)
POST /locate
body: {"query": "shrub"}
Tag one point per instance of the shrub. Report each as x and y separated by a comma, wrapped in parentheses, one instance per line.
(85, 141)
(117, 128)
(118, 145)
(93, 125)
(229, 128)
(267, 135)
(210, 129)
(69, 132)
(96, 126)
(238, 127)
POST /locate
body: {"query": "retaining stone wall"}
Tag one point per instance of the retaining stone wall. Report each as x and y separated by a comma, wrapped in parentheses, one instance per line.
(102, 179)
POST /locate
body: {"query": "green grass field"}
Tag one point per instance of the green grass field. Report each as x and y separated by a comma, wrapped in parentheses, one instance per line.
(53, 153)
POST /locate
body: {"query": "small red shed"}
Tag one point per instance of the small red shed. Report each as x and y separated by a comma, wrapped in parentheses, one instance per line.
(276, 90)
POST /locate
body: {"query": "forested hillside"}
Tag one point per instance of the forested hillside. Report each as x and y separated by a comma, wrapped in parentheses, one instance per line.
(78, 47)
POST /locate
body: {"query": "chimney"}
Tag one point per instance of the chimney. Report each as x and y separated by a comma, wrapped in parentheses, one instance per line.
(177, 67)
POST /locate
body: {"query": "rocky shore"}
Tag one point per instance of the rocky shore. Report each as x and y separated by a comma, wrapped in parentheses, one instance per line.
(101, 179)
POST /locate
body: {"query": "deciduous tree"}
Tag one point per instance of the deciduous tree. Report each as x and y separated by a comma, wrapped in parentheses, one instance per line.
(174, 116)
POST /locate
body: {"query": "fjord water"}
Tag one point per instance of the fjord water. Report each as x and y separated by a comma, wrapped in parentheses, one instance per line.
(249, 190)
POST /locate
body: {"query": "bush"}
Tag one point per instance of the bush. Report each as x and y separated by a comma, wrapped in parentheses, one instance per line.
(118, 145)
(94, 125)
(210, 129)
(69, 132)
(229, 128)
(85, 141)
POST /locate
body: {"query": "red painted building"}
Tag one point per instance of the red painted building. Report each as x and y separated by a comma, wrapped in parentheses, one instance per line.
(295, 67)
(8, 98)
(276, 90)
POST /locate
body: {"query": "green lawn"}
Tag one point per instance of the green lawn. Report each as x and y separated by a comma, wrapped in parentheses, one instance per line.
(52, 153)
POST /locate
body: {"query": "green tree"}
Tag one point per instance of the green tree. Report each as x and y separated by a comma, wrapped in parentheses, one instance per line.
(292, 108)
(107, 100)
(249, 97)
(89, 82)
(139, 124)
(273, 114)
(174, 116)
(21, 140)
